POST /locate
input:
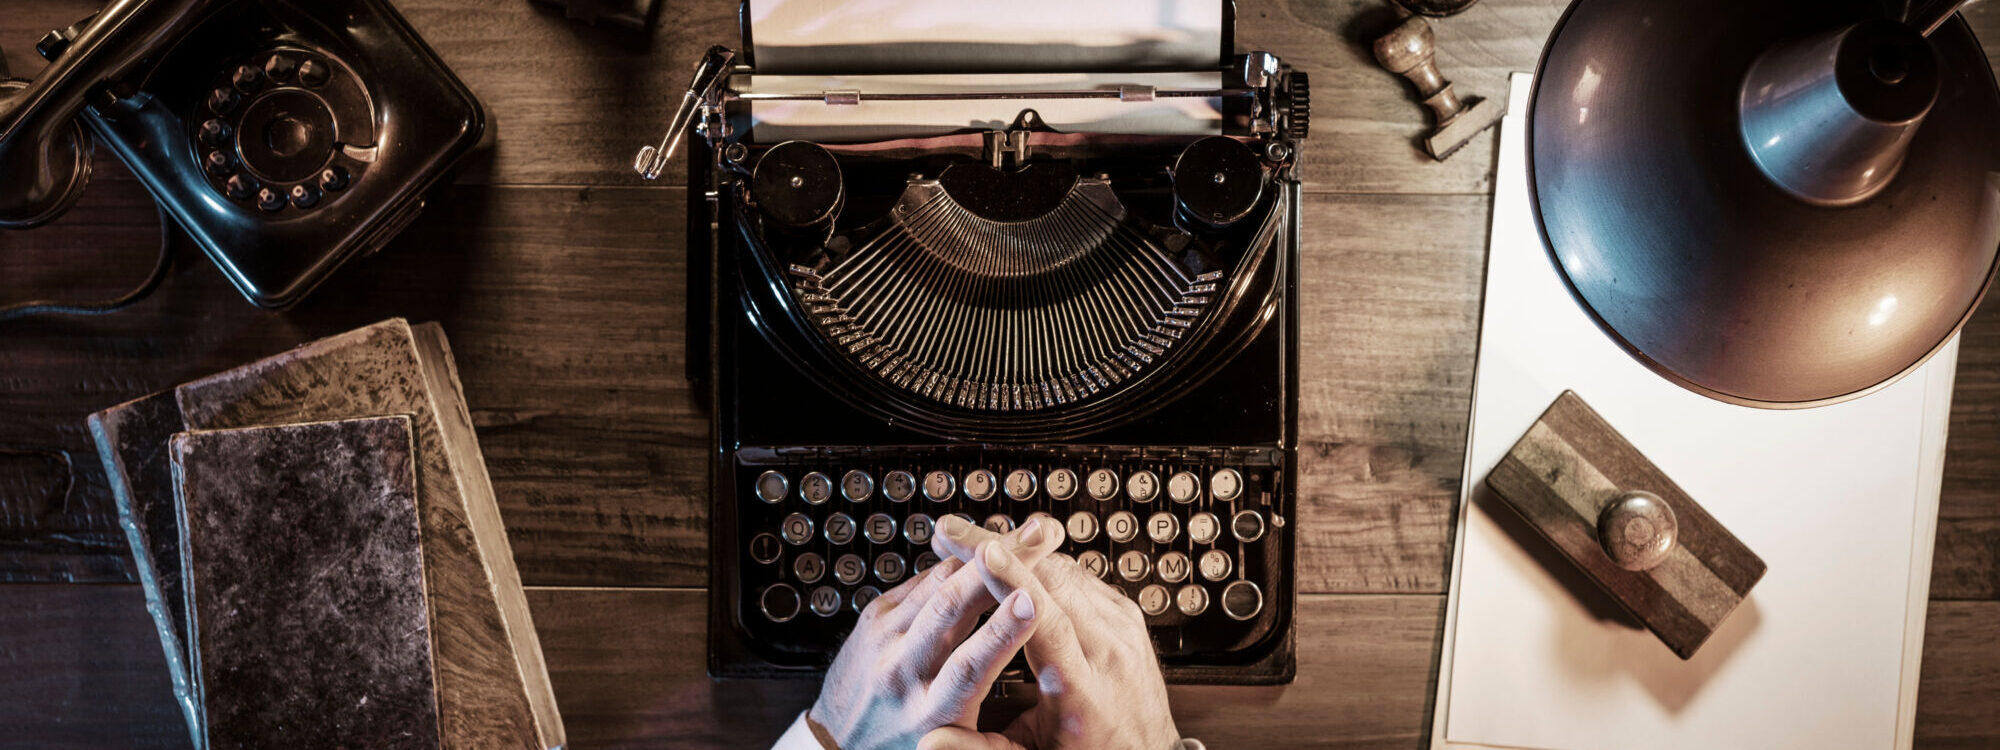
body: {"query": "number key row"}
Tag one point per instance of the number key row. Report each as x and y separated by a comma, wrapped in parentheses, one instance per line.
(980, 485)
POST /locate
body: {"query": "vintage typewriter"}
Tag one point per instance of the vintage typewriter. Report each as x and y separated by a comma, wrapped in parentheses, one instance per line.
(993, 278)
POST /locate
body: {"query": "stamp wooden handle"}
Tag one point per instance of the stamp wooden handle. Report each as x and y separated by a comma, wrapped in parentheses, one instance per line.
(1410, 50)
(1637, 530)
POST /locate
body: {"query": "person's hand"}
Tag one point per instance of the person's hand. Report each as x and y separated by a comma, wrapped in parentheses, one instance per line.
(1098, 674)
(904, 672)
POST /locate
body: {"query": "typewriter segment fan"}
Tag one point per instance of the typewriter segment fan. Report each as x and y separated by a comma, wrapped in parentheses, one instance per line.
(1014, 291)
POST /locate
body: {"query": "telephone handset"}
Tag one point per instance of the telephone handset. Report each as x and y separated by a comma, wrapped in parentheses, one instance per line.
(285, 136)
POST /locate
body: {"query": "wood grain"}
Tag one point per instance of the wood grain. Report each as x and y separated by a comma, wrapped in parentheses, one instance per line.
(79, 669)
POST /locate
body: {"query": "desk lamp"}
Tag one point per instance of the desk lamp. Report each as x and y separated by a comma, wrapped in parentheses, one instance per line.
(1774, 203)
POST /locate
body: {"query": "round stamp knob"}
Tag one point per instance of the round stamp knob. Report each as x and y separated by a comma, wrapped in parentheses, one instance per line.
(1637, 530)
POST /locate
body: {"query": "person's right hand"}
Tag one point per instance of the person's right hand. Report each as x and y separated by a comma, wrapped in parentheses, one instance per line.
(1098, 674)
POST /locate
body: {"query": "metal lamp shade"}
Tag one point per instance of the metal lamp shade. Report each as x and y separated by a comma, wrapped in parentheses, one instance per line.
(1710, 270)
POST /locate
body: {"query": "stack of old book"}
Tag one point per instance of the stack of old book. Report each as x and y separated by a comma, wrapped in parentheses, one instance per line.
(323, 555)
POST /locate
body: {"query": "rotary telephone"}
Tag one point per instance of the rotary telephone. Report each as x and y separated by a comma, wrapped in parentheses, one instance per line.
(285, 136)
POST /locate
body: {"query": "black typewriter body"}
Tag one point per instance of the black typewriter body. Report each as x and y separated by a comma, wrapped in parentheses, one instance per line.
(996, 324)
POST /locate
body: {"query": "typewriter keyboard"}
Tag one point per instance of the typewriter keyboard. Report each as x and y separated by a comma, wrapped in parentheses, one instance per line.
(1195, 537)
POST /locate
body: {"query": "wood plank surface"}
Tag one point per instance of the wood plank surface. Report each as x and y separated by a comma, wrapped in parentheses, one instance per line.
(558, 276)
(80, 668)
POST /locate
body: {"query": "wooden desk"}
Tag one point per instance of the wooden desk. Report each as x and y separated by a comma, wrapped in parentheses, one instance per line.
(558, 276)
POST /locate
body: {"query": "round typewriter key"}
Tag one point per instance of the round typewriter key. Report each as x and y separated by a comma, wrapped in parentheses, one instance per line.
(809, 567)
(825, 601)
(1192, 600)
(1163, 527)
(1142, 487)
(1173, 567)
(899, 486)
(1133, 565)
(816, 488)
(999, 523)
(1203, 528)
(889, 567)
(1216, 565)
(856, 486)
(1082, 526)
(918, 529)
(797, 184)
(1183, 487)
(1226, 485)
(1103, 484)
(797, 528)
(1247, 526)
(1062, 484)
(980, 485)
(881, 528)
(939, 485)
(840, 528)
(925, 560)
(780, 602)
(1242, 600)
(850, 569)
(1154, 599)
(1093, 561)
(772, 487)
(864, 595)
(1021, 484)
(764, 548)
(1122, 526)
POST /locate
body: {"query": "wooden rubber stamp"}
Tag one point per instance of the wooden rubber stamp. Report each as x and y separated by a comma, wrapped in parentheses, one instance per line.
(1634, 532)
(1410, 50)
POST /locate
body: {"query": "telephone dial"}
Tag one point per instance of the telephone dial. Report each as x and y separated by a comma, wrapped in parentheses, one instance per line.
(286, 137)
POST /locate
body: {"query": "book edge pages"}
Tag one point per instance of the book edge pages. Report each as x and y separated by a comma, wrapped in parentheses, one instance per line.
(176, 447)
(1935, 435)
(104, 430)
(488, 527)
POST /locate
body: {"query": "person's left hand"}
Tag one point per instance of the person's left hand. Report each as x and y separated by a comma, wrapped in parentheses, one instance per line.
(898, 675)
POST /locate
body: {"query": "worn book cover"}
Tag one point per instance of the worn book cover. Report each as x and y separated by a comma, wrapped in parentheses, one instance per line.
(493, 687)
(304, 582)
(132, 444)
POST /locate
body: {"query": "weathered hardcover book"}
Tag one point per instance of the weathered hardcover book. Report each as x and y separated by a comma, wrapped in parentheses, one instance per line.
(492, 683)
(132, 444)
(304, 581)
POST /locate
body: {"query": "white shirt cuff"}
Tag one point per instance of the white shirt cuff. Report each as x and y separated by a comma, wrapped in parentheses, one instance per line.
(798, 737)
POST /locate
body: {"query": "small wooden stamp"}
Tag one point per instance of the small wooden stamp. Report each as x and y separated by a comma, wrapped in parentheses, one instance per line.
(1409, 51)
(1625, 524)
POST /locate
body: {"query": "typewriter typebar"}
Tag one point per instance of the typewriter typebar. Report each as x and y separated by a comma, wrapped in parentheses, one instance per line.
(995, 295)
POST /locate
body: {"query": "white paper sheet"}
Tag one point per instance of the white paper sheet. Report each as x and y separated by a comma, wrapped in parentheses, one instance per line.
(775, 121)
(959, 36)
(1840, 502)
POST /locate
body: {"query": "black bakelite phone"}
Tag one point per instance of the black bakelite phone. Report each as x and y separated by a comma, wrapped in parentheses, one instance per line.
(286, 137)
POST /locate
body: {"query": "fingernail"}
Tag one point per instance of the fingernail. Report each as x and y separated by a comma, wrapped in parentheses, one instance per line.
(1031, 532)
(996, 557)
(1024, 606)
(953, 526)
